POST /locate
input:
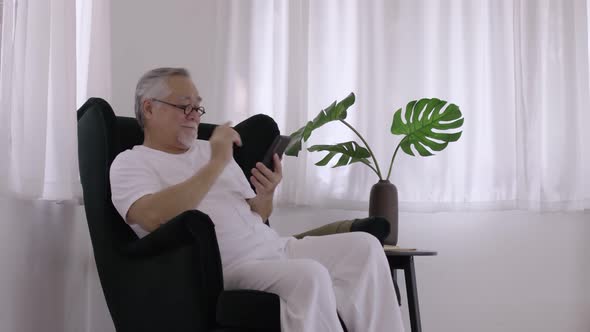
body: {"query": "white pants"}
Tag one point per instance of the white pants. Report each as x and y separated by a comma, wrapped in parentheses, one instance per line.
(323, 276)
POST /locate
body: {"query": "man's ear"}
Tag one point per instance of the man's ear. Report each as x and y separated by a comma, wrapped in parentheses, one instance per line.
(147, 109)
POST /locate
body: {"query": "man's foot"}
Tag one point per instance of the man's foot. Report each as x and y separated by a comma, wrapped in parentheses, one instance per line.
(378, 226)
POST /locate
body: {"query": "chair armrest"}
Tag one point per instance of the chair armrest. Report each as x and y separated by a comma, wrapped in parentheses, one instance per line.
(179, 265)
(251, 309)
(176, 233)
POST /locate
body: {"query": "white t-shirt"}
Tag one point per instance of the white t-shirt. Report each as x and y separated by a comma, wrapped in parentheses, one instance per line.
(241, 233)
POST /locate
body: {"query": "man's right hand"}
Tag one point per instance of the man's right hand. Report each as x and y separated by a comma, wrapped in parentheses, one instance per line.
(222, 141)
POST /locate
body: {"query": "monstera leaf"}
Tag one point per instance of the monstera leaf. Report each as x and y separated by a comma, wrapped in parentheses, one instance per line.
(336, 111)
(427, 125)
(422, 118)
(350, 152)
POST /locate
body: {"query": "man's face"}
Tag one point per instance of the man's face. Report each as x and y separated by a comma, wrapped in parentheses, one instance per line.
(168, 124)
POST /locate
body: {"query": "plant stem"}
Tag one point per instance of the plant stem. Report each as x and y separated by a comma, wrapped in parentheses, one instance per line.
(374, 170)
(378, 171)
(393, 157)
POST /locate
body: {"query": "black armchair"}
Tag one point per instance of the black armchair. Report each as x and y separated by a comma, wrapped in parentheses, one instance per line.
(170, 280)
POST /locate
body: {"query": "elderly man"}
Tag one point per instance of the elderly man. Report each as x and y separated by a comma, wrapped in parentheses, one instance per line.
(316, 278)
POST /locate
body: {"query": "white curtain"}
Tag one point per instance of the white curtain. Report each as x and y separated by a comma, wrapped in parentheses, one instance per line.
(54, 55)
(517, 69)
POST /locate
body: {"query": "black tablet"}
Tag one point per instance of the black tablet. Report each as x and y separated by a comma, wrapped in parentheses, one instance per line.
(278, 146)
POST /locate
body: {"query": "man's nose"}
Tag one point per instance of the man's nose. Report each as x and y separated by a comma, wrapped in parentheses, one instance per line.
(194, 116)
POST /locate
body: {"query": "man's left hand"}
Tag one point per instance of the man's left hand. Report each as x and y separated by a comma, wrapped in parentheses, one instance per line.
(265, 180)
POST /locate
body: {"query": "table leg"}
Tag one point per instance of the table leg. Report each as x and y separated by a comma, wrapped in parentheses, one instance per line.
(396, 287)
(412, 291)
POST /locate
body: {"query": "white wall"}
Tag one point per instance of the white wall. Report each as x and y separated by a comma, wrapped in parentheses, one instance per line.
(152, 33)
(48, 278)
(496, 271)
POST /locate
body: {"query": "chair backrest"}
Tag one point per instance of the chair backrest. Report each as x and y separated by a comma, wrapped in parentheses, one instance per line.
(98, 145)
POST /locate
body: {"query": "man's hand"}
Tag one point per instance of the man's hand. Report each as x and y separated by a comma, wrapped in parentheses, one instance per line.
(222, 141)
(264, 180)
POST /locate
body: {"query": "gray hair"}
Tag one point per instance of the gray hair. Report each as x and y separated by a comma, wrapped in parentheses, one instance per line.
(154, 84)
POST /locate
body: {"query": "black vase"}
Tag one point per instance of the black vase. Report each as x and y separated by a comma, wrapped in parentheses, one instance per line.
(383, 203)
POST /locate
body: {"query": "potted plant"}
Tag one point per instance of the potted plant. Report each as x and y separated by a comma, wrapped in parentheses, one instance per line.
(417, 125)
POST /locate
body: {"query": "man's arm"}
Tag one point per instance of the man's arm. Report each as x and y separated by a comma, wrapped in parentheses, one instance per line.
(152, 210)
(265, 182)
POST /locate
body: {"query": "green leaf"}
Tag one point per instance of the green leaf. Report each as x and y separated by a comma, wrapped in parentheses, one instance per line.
(422, 117)
(336, 111)
(351, 152)
(326, 159)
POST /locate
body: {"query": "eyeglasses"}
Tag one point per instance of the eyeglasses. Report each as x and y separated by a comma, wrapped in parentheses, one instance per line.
(187, 109)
